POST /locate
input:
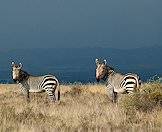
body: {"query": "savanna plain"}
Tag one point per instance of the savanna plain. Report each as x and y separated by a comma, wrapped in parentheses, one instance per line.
(82, 108)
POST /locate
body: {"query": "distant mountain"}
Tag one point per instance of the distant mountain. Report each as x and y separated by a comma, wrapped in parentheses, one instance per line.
(78, 64)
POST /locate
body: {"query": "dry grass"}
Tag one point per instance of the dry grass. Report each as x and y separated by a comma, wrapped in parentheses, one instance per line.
(82, 108)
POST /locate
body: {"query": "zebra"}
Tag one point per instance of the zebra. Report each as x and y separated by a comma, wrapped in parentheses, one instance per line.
(116, 83)
(30, 83)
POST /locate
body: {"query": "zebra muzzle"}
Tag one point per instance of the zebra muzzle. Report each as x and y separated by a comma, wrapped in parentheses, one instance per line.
(97, 79)
(15, 80)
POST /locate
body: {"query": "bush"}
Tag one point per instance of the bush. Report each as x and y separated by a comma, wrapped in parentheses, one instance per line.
(149, 96)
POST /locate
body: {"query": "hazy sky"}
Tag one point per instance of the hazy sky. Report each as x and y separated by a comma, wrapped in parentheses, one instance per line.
(72, 23)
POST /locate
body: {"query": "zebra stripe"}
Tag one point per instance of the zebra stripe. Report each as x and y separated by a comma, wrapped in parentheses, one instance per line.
(129, 83)
(46, 78)
(116, 82)
(50, 84)
(29, 83)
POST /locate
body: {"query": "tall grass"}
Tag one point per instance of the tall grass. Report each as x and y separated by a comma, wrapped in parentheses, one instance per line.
(82, 108)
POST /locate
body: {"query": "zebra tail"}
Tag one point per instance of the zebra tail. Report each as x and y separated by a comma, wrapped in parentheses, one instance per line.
(58, 91)
(138, 81)
(58, 94)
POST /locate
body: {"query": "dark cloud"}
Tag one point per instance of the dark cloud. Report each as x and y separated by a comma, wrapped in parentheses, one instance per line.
(79, 23)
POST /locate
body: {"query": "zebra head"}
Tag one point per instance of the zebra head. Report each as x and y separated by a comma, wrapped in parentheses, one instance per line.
(102, 69)
(16, 72)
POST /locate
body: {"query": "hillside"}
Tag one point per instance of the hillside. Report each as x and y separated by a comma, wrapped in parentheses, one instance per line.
(77, 64)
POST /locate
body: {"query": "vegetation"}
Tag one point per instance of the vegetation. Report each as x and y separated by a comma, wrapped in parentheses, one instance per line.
(82, 108)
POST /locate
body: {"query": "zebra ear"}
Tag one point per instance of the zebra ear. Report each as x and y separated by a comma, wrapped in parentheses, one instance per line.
(12, 63)
(20, 64)
(105, 62)
(97, 61)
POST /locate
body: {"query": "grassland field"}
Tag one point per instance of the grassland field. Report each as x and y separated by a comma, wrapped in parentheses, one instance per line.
(82, 108)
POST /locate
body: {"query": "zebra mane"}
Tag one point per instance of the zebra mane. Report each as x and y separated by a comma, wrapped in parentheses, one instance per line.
(110, 70)
(109, 67)
(23, 76)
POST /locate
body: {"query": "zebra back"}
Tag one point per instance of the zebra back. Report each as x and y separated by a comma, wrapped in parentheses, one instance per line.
(124, 83)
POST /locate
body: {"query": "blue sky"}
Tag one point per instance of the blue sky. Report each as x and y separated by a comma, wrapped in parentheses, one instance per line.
(80, 23)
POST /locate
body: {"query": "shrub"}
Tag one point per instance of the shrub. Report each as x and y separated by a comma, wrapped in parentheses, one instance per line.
(149, 96)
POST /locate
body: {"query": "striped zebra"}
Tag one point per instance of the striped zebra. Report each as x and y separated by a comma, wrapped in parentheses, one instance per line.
(30, 83)
(117, 83)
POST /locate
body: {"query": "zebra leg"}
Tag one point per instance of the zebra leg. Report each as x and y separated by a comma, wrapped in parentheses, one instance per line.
(57, 93)
(26, 93)
(51, 92)
(27, 96)
(111, 94)
(115, 96)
